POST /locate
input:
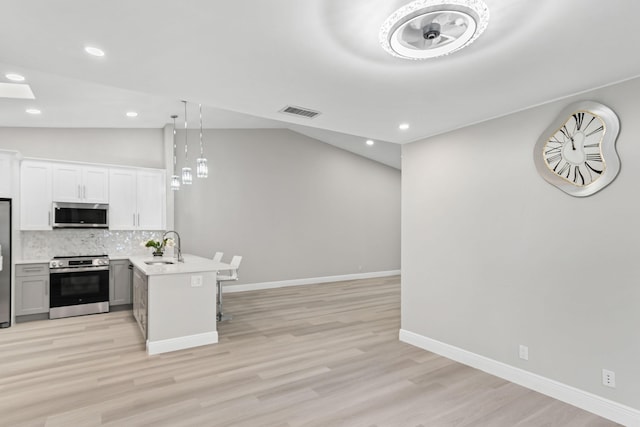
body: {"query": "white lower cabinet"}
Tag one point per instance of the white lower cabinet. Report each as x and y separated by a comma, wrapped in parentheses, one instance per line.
(136, 199)
(32, 289)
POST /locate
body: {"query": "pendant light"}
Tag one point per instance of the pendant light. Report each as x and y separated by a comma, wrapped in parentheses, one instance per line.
(202, 170)
(187, 177)
(175, 180)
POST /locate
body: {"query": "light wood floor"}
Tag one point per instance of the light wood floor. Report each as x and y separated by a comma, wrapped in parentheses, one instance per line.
(318, 355)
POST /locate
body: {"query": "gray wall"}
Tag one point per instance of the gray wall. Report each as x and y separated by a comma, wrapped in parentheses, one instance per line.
(130, 147)
(292, 206)
(493, 256)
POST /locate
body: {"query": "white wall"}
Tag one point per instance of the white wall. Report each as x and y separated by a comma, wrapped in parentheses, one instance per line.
(130, 147)
(493, 256)
(292, 206)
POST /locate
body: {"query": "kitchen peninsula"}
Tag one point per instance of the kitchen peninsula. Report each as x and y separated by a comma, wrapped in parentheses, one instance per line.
(175, 302)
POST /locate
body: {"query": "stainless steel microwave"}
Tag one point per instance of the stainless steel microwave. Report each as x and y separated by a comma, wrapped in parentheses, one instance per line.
(80, 215)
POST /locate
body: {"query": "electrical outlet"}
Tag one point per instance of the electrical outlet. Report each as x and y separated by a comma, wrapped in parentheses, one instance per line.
(524, 352)
(196, 281)
(608, 378)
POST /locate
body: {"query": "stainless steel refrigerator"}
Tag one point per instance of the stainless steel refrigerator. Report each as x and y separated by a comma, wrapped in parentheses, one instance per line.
(5, 263)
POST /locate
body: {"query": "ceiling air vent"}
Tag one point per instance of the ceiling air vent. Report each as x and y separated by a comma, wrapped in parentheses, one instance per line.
(299, 111)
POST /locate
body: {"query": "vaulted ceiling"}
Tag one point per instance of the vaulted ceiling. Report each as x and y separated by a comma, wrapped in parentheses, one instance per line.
(245, 60)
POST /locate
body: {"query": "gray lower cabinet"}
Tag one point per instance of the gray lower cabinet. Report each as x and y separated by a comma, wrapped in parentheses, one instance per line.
(120, 283)
(140, 288)
(32, 289)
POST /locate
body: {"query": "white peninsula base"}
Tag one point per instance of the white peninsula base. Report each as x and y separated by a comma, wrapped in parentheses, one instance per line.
(175, 304)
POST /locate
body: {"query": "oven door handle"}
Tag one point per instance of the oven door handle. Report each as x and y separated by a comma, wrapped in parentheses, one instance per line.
(78, 269)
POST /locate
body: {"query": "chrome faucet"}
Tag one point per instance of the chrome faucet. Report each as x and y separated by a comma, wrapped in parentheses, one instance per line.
(179, 257)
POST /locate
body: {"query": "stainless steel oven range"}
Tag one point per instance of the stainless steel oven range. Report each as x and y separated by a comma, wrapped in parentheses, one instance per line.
(78, 285)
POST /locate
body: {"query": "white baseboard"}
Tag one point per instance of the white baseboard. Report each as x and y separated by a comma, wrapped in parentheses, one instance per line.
(309, 281)
(611, 410)
(173, 344)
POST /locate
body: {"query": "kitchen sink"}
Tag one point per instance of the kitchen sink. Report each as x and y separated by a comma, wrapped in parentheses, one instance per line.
(159, 262)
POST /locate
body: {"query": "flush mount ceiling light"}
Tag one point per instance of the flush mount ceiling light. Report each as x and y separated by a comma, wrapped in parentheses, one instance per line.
(132, 114)
(33, 111)
(370, 142)
(431, 28)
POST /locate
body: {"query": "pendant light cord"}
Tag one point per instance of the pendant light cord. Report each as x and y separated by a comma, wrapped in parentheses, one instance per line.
(175, 158)
(201, 146)
(186, 154)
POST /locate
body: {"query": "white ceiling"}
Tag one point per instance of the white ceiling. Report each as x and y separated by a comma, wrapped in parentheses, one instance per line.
(246, 59)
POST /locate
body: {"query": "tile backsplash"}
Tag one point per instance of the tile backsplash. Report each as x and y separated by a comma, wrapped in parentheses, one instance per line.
(47, 244)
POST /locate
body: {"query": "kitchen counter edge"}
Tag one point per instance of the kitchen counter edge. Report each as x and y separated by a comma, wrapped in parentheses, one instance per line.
(191, 264)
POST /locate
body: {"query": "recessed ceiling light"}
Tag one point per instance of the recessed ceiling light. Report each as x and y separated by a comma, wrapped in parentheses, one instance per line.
(94, 51)
(14, 77)
(33, 111)
(403, 126)
(132, 114)
(370, 142)
(431, 28)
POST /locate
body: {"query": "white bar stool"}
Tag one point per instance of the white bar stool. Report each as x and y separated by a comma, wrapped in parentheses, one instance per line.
(231, 276)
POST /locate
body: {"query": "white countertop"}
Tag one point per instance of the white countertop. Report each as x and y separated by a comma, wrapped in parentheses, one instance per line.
(191, 264)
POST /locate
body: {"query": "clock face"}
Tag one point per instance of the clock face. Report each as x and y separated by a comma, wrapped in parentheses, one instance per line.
(574, 152)
(577, 153)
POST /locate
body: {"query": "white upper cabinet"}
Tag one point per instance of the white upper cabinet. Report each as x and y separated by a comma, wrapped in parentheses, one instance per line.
(151, 200)
(86, 184)
(35, 195)
(122, 199)
(136, 196)
(95, 187)
(137, 199)
(6, 175)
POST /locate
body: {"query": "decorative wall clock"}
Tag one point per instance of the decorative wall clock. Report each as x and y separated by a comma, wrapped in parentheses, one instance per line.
(577, 152)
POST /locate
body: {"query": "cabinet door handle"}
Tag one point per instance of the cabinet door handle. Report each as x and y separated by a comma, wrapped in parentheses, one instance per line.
(49, 217)
(134, 219)
(138, 219)
(84, 191)
(46, 289)
(79, 193)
